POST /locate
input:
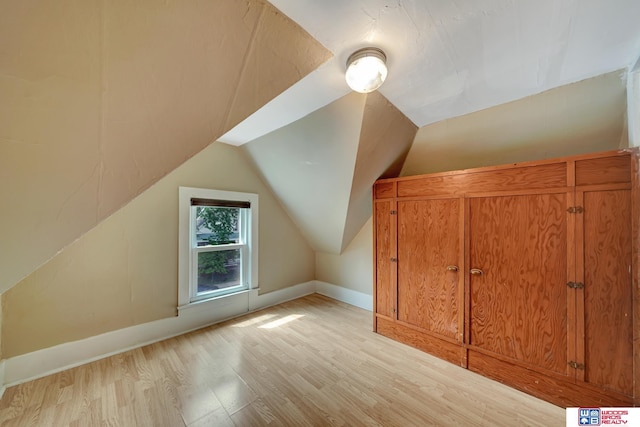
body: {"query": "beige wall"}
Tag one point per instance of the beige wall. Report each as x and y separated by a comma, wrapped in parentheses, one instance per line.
(123, 272)
(353, 269)
(385, 138)
(322, 166)
(583, 117)
(586, 116)
(633, 105)
(309, 165)
(100, 99)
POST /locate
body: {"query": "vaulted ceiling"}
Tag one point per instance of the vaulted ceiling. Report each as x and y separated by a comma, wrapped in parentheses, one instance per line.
(446, 59)
(449, 58)
(100, 100)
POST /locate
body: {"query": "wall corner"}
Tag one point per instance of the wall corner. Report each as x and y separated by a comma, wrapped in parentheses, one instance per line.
(2, 385)
(633, 104)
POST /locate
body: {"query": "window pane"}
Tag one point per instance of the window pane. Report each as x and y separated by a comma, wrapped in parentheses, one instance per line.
(217, 226)
(218, 270)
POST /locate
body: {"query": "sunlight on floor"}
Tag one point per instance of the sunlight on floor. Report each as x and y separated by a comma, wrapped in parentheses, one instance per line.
(281, 321)
(253, 321)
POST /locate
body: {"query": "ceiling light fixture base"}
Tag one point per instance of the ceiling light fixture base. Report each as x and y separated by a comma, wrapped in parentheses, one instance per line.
(366, 69)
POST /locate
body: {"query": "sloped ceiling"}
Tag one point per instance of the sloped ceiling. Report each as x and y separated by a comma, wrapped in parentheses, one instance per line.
(321, 167)
(449, 59)
(308, 163)
(98, 100)
(583, 117)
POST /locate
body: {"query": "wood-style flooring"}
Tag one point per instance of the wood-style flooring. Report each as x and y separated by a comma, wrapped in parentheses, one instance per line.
(308, 362)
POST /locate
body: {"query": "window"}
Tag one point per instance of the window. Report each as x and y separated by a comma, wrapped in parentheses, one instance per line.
(218, 243)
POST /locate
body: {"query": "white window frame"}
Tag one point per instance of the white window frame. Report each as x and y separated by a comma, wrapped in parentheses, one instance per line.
(244, 225)
(188, 250)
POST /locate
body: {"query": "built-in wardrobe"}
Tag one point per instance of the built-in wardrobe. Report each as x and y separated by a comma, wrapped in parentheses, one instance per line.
(525, 273)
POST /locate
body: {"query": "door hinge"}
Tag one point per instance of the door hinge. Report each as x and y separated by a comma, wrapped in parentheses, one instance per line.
(576, 365)
(575, 285)
(394, 212)
(575, 209)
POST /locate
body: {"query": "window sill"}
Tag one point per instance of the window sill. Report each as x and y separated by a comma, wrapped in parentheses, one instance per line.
(236, 298)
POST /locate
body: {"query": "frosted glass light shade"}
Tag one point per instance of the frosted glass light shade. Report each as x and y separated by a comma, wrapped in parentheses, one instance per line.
(366, 69)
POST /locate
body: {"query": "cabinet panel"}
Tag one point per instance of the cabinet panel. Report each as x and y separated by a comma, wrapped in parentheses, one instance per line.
(383, 190)
(603, 170)
(552, 175)
(428, 243)
(608, 290)
(519, 301)
(547, 255)
(385, 284)
(547, 387)
(454, 353)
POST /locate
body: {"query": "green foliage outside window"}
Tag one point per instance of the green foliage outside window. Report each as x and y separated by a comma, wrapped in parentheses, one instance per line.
(223, 223)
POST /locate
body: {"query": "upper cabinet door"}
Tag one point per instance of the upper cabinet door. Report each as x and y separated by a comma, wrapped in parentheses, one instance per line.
(430, 276)
(608, 310)
(518, 278)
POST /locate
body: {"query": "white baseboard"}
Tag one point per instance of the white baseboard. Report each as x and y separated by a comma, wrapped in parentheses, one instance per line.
(54, 359)
(349, 296)
(58, 358)
(257, 302)
(2, 386)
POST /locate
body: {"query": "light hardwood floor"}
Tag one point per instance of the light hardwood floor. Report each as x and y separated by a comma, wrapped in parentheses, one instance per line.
(309, 362)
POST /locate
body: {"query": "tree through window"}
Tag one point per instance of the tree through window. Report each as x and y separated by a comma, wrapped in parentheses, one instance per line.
(219, 247)
(218, 269)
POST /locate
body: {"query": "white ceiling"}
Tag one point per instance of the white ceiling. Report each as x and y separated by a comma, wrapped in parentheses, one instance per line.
(317, 199)
(322, 166)
(448, 58)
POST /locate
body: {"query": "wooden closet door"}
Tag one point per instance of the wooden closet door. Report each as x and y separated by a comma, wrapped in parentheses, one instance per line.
(518, 294)
(384, 232)
(429, 256)
(608, 324)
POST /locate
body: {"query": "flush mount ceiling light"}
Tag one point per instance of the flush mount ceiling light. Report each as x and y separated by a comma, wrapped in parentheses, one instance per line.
(366, 69)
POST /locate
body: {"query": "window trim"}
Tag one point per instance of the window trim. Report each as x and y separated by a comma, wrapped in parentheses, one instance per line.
(185, 194)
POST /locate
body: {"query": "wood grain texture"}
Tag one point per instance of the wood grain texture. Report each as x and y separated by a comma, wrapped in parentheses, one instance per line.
(556, 391)
(323, 367)
(519, 303)
(604, 170)
(579, 339)
(384, 290)
(429, 242)
(518, 321)
(454, 353)
(572, 302)
(635, 268)
(608, 309)
(517, 178)
(384, 190)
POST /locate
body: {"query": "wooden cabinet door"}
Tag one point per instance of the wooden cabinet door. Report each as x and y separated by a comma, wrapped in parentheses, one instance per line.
(430, 287)
(518, 292)
(384, 234)
(608, 319)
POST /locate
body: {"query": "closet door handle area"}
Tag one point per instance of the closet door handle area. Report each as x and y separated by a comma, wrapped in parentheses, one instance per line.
(452, 268)
(476, 271)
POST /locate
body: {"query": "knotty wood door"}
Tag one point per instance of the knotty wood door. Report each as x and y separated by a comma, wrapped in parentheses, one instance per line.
(606, 262)
(518, 278)
(430, 285)
(385, 271)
